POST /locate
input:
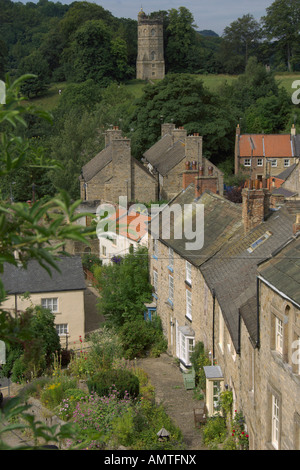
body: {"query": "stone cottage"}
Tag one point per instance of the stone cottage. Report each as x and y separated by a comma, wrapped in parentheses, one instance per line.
(114, 173)
(211, 295)
(175, 154)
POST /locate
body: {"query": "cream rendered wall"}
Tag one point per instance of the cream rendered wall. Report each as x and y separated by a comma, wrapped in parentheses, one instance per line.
(70, 309)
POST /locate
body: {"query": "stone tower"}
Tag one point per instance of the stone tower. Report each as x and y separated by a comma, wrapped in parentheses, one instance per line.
(150, 62)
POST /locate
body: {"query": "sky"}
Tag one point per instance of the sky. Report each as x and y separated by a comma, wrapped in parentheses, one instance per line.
(208, 14)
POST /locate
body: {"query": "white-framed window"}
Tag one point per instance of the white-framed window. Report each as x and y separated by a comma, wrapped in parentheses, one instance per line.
(274, 163)
(51, 304)
(186, 344)
(188, 304)
(171, 289)
(247, 162)
(286, 162)
(103, 250)
(275, 422)
(188, 272)
(155, 247)
(260, 162)
(171, 258)
(278, 335)
(62, 329)
(155, 281)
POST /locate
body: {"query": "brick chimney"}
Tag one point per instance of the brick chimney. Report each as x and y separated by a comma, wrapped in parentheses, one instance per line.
(255, 205)
(167, 128)
(296, 225)
(202, 178)
(193, 148)
(179, 134)
(111, 134)
(293, 130)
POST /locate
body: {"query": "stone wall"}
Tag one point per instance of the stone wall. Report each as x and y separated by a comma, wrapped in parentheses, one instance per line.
(279, 376)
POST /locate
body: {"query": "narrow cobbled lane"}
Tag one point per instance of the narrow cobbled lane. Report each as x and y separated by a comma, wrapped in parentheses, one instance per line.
(164, 374)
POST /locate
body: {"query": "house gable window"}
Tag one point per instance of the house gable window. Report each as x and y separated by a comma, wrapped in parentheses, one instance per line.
(171, 259)
(188, 273)
(62, 329)
(188, 312)
(171, 290)
(247, 162)
(186, 343)
(275, 422)
(51, 304)
(155, 248)
(155, 281)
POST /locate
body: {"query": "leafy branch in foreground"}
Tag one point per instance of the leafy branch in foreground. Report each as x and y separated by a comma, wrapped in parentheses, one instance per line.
(30, 231)
(41, 433)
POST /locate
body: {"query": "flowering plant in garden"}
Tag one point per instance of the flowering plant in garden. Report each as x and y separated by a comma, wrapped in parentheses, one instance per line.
(238, 430)
(97, 413)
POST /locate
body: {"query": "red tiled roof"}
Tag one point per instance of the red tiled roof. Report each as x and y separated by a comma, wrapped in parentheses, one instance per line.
(270, 146)
(136, 225)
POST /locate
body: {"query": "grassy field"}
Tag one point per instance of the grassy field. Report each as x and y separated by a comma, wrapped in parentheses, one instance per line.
(51, 99)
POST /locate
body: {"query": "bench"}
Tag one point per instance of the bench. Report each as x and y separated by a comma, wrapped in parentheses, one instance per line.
(200, 414)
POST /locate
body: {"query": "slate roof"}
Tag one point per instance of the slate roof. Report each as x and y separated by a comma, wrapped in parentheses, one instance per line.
(35, 279)
(232, 272)
(283, 270)
(221, 219)
(286, 173)
(96, 164)
(226, 262)
(165, 154)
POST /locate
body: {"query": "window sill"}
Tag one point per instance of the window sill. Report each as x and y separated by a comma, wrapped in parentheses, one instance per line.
(188, 283)
(154, 257)
(170, 304)
(189, 318)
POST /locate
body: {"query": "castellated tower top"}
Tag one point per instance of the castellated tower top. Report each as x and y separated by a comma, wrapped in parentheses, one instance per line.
(150, 62)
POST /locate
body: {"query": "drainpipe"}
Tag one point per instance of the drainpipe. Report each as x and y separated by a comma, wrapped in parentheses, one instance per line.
(257, 313)
(213, 326)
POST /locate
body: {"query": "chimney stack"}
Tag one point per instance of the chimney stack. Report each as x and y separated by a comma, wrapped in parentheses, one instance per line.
(293, 130)
(296, 225)
(167, 128)
(112, 134)
(255, 205)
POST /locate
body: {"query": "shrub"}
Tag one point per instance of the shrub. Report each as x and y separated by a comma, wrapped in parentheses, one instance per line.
(199, 359)
(139, 337)
(214, 431)
(124, 381)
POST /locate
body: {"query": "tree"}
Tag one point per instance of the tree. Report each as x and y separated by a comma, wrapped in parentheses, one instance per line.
(181, 39)
(282, 23)
(37, 65)
(185, 101)
(28, 229)
(33, 356)
(240, 41)
(124, 288)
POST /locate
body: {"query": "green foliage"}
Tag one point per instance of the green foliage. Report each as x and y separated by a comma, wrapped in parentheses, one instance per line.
(124, 382)
(214, 431)
(199, 358)
(139, 337)
(226, 398)
(124, 288)
(184, 100)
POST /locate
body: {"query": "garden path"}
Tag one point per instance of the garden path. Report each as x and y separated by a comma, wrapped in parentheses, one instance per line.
(179, 403)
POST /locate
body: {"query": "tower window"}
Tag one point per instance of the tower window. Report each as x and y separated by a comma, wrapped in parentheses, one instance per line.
(153, 32)
(152, 55)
